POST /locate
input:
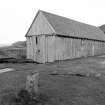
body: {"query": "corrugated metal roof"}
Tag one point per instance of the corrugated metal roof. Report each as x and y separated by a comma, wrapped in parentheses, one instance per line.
(69, 27)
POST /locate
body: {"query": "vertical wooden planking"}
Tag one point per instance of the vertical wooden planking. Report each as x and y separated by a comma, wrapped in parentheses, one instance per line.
(76, 46)
(50, 48)
(34, 48)
(86, 48)
(46, 55)
(103, 47)
(65, 48)
(30, 52)
(40, 26)
(31, 46)
(38, 50)
(90, 44)
(78, 50)
(86, 41)
(101, 50)
(90, 48)
(79, 47)
(42, 48)
(27, 47)
(83, 47)
(68, 48)
(72, 48)
(93, 48)
(97, 47)
(59, 48)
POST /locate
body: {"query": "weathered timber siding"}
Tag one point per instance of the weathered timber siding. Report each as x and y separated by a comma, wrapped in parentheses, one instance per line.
(50, 48)
(68, 48)
(103, 47)
(35, 51)
(34, 48)
(40, 26)
(41, 49)
(59, 48)
(29, 48)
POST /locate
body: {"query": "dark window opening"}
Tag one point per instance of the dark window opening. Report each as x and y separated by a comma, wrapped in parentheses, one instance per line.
(36, 40)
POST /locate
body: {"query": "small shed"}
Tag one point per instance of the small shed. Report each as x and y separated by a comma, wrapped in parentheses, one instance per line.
(52, 37)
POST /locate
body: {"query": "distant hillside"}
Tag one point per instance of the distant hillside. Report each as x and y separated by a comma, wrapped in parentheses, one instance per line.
(19, 44)
(16, 50)
(102, 28)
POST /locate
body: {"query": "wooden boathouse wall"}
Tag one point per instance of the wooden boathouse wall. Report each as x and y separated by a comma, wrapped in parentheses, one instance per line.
(48, 48)
(51, 37)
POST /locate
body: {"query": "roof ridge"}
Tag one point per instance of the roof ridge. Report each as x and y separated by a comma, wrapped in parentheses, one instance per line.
(65, 17)
(70, 27)
(48, 21)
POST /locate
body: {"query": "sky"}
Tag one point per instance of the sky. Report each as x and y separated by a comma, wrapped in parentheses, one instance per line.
(16, 16)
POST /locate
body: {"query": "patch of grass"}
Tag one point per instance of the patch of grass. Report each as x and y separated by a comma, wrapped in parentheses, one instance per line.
(62, 89)
(23, 97)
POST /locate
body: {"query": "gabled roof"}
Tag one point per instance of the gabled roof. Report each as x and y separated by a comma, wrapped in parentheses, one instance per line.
(40, 26)
(68, 27)
(102, 28)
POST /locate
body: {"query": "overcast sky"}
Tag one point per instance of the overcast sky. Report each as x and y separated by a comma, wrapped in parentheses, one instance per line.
(17, 15)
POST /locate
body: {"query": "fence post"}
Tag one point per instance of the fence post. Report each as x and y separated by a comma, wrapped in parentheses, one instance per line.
(32, 82)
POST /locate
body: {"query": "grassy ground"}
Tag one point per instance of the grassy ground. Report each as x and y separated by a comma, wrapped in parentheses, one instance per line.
(71, 82)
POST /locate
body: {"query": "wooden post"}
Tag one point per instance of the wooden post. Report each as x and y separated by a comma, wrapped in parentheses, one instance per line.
(32, 82)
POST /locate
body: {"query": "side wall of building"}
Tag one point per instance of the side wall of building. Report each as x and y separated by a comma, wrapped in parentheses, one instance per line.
(51, 48)
(36, 49)
(29, 47)
(42, 51)
(68, 48)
